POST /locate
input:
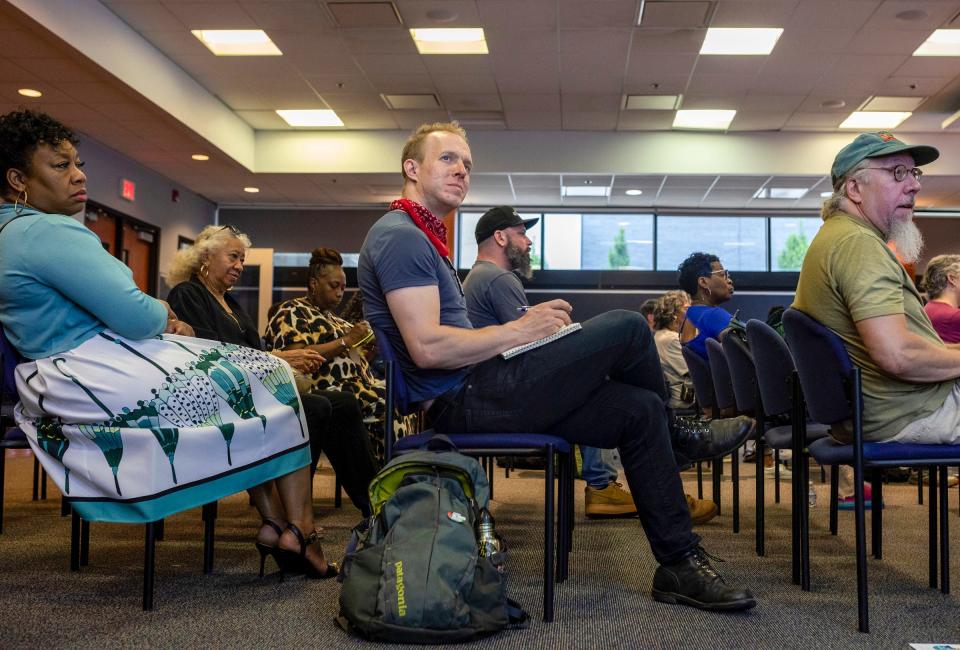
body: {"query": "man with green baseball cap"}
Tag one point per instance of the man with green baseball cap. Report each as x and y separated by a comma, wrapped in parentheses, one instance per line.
(853, 283)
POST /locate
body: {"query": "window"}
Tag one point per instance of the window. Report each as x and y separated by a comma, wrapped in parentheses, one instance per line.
(789, 239)
(303, 260)
(468, 240)
(739, 242)
(617, 241)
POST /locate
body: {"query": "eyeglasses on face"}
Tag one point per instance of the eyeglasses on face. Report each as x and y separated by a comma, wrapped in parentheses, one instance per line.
(900, 172)
(723, 273)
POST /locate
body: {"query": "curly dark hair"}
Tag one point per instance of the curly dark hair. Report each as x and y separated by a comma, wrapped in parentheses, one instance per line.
(696, 266)
(21, 132)
(320, 259)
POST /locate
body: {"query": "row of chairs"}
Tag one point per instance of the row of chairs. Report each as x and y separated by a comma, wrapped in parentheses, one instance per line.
(797, 394)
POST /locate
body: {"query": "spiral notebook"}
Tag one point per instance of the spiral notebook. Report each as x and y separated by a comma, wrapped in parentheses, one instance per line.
(533, 345)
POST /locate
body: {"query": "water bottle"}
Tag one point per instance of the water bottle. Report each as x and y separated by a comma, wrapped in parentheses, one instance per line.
(812, 496)
(489, 543)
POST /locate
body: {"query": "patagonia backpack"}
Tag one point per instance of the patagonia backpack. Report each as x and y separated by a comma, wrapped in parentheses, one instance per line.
(426, 567)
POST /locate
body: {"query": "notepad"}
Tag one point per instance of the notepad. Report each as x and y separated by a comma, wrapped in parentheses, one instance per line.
(533, 345)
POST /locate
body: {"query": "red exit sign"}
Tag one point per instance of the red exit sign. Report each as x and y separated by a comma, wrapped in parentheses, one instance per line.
(128, 189)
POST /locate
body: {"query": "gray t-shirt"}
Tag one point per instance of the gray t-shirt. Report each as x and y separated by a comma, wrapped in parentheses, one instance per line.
(396, 255)
(492, 295)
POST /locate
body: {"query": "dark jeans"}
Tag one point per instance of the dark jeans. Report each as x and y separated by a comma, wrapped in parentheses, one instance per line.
(336, 428)
(603, 387)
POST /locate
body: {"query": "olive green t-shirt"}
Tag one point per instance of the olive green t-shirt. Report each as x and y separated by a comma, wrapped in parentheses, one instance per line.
(849, 274)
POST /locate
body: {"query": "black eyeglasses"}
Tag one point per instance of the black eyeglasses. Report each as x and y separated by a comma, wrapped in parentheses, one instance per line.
(900, 172)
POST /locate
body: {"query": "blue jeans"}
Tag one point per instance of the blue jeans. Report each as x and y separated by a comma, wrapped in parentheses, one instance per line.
(596, 471)
(601, 387)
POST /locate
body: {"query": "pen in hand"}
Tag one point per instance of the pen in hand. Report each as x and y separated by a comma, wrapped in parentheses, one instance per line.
(523, 307)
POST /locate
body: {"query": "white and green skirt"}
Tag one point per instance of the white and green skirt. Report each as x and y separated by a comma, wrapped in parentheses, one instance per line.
(134, 431)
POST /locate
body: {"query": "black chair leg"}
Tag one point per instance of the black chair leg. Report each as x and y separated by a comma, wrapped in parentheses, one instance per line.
(337, 493)
(834, 498)
(43, 484)
(158, 530)
(932, 528)
(876, 514)
(761, 499)
(64, 506)
(149, 554)
(562, 523)
(84, 542)
(489, 466)
(795, 496)
(75, 542)
(804, 502)
(735, 479)
(944, 534)
(209, 514)
(700, 480)
(920, 486)
(3, 470)
(36, 479)
(717, 464)
(548, 538)
(776, 476)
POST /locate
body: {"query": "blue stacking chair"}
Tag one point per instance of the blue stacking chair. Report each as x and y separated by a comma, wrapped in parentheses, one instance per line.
(489, 445)
(726, 401)
(832, 389)
(11, 437)
(706, 399)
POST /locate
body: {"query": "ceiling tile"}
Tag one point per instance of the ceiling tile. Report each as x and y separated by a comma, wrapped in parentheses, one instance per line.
(898, 86)
(509, 14)
(531, 102)
(597, 13)
(701, 182)
(659, 85)
(830, 13)
(143, 16)
(471, 102)
(645, 120)
(815, 120)
(384, 64)
(368, 119)
(712, 101)
(378, 41)
(574, 102)
(483, 84)
(332, 83)
(783, 103)
(675, 15)
(413, 119)
(458, 13)
(761, 13)
(649, 65)
(527, 75)
(546, 120)
(402, 83)
(814, 103)
(887, 41)
(263, 120)
(354, 102)
(937, 12)
(719, 83)
(465, 64)
(589, 120)
(928, 66)
(759, 120)
(212, 15)
(296, 15)
(743, 183)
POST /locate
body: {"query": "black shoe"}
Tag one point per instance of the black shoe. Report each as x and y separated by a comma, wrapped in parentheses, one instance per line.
(692, 581)
(697, 440)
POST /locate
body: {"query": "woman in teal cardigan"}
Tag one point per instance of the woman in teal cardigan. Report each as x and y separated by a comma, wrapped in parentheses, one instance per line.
(132, 417)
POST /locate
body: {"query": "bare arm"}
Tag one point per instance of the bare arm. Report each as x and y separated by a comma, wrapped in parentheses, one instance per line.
(416, 311)
(905, 355)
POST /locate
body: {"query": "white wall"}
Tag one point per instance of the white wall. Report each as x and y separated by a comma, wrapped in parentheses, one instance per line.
(105, 168)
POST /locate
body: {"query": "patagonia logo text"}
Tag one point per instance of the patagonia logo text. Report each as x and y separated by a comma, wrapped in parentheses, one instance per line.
(401, 590)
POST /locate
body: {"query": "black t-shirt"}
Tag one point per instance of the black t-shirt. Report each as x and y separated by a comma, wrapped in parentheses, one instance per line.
(196, 306)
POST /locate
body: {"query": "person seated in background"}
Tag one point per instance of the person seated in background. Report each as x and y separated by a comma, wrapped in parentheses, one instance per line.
(203, 275)
(709, 285)
(308, 323)
(646, 309)
(668, 314)
(114, 392)
(601, 385)
(941, 281)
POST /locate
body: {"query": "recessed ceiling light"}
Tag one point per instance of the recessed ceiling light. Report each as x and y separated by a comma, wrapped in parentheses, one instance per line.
(740, 40)
(454, 40)
(237, 42)
(705, 119)
(780, 193)
(30, 92)
(324, 117)
(942, 42)
(251, 190)
(633, 192)
(874, 120)
(652, 102)
(584, 190)
(200, 156)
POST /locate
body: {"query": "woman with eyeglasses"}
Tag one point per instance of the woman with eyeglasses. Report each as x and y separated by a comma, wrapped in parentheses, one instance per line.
(203, 275)
(132, 417)
(709, 285)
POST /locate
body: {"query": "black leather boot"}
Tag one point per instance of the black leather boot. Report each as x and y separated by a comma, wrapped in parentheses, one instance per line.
(699, 439)
(692, 581)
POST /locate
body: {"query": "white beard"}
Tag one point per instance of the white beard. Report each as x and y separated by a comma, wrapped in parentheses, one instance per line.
(908, 240)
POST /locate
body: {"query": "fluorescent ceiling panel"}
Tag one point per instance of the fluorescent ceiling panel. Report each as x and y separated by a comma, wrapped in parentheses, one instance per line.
(868, 120)
(755, 41)
(237, 42)
(584, 190)
(942, 42)
(705, 119)
(652, 102)
(900, 104)
(310, 117)
(453, 40)
(780, 193)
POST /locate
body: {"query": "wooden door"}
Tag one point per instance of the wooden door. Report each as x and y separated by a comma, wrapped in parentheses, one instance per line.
(104, 226)
(138, 247)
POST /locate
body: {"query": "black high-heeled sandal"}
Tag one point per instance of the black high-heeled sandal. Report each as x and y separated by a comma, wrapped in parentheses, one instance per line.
(297, 563)
(266, 550)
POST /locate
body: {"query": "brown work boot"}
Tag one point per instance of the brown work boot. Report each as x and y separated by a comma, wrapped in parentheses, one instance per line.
(701, 510)
(611, 501)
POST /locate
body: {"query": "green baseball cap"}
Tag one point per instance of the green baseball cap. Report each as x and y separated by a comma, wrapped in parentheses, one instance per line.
(876, 145)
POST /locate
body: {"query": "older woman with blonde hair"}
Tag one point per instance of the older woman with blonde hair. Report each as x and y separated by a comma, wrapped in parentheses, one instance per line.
(668, 314)
(204, 275)
(941, 281)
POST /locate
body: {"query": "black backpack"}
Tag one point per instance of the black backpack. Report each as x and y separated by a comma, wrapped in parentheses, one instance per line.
(414, 572)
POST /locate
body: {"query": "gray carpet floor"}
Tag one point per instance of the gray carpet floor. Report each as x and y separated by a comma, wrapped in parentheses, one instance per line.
(604, 604)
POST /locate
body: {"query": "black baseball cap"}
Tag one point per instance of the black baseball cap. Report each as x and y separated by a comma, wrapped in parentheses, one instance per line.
(500, 218)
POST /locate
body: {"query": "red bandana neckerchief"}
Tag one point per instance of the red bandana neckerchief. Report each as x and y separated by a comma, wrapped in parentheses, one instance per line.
(432, 227)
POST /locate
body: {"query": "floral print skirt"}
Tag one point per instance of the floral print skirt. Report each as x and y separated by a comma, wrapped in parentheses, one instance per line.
(134, 431)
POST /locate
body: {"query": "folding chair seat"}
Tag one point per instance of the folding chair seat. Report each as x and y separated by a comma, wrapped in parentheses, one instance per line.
(726, 402)
(832, 388)
(489, 445)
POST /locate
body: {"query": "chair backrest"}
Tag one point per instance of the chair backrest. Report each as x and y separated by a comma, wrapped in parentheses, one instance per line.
(395, 385)
(824, 367)
(720, 371)
(742, 373)
(9, 358)
(700, 374)
(774, 366)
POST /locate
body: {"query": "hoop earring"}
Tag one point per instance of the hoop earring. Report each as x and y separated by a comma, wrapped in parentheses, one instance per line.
(17, 205)
(204, 271)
